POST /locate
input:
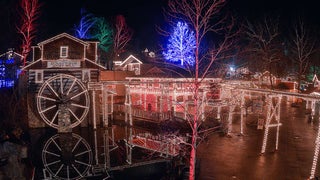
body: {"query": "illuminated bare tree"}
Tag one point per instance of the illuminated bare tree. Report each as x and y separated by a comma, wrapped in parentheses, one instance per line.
(103, 32)
(264, 44)
(29, 13)
(122, 35)
(87, 21)
(203, 17)
(302, 46)
(181, 45)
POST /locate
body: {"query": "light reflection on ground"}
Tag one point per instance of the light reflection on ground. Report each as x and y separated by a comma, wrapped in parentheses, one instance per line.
(239, 157)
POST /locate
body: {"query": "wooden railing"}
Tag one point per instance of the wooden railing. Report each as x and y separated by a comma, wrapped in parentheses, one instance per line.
(140, 113)
(164, 145)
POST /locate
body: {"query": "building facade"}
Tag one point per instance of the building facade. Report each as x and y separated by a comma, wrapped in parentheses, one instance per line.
(75, 61)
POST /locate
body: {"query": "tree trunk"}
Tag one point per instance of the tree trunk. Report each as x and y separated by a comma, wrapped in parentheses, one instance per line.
(195, 117)
(192, 168)
(193, 159)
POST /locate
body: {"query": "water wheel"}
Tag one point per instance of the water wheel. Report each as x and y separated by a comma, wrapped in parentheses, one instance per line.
(63, 90)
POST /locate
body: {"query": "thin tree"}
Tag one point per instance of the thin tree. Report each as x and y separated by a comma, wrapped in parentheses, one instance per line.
(200, 16)
(87, 21)
(29, 11)
(121, 36)
(302, 46)
(265, 44)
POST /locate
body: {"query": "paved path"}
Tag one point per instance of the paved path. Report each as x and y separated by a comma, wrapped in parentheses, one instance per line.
(239, 157)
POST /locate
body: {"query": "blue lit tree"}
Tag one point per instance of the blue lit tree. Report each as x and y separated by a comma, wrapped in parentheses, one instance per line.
(181, 46)
(87, 21)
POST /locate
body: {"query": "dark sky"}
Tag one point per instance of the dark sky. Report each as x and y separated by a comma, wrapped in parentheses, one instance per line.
(287, 9)
(137, 12)
(142, 15)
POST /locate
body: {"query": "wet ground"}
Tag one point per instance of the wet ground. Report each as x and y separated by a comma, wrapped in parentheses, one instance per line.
(238, 156)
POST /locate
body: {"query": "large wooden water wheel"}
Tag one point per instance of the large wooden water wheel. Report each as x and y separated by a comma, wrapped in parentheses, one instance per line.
(67, 91)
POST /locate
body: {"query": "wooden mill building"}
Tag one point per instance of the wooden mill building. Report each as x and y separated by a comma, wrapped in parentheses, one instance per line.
(61, 54)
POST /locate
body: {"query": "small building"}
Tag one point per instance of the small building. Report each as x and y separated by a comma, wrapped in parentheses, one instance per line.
(264, 79)
(10, 64)
(316, 82)
(131, 63)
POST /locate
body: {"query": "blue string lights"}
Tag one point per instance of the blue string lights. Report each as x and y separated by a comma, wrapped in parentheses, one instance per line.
(8, 72)
(181, 46)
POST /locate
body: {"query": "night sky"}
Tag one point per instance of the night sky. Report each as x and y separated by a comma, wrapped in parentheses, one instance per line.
(142, 16)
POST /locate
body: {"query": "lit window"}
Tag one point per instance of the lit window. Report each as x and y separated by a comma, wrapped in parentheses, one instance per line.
(179, 85)
(63, 51)
(149, 84)
(86, 75)
(39, 76)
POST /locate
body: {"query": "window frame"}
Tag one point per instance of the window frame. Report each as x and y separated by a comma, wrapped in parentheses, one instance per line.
(38, 76)
(86, 75)
(64, 50)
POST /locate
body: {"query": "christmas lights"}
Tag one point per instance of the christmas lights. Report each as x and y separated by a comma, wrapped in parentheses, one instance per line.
(87, 21)
(181, 46)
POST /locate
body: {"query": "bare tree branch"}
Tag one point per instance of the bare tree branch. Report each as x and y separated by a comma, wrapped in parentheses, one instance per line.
(29, 13)
(302, 47)
(264, 42)
(122, 35)
(87, 21)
